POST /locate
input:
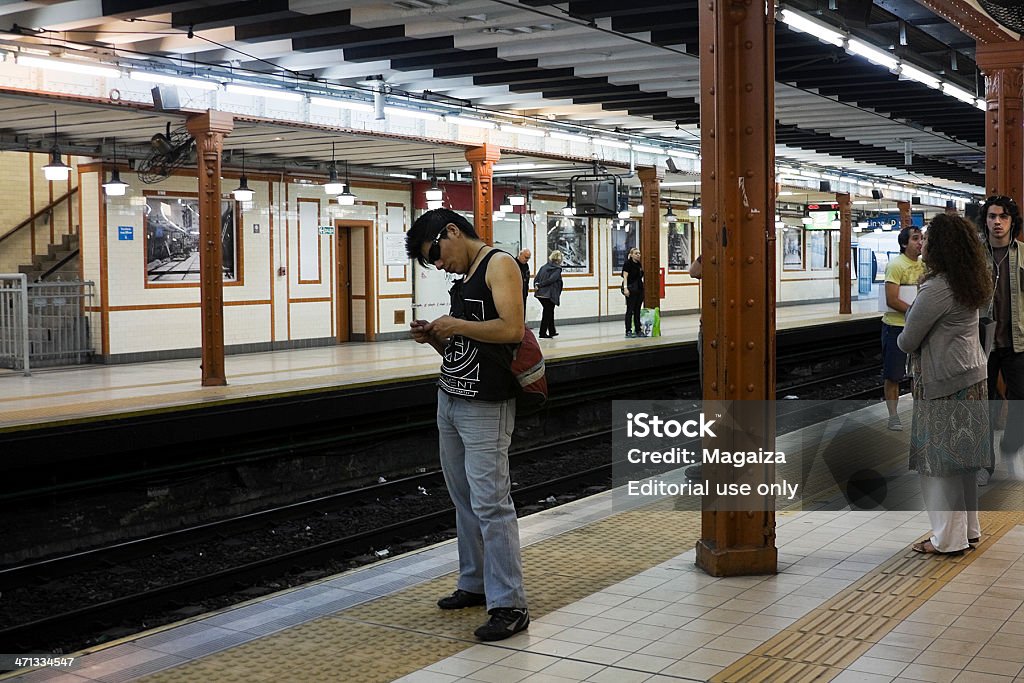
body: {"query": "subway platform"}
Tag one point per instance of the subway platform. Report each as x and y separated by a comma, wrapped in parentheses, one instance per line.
(76, 394)
(615, 597)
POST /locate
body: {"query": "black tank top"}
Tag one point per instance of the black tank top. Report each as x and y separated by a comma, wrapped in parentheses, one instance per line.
(469, 368)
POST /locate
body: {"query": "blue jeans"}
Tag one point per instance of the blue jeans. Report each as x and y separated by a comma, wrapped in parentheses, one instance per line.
(474, 441)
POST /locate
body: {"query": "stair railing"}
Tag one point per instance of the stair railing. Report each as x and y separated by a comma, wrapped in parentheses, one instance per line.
(48, 209)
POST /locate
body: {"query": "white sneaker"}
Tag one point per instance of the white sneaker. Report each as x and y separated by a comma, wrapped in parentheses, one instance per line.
(983, 477)
(894, 423)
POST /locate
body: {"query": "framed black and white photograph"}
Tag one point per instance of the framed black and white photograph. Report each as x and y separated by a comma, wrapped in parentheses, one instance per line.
(623, 239)
(172, 239)
(571, 237)
(793, 249)
(679, 241)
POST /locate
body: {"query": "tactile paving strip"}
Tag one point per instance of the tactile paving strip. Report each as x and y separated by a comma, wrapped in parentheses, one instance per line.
(820, 645)
(395, 635)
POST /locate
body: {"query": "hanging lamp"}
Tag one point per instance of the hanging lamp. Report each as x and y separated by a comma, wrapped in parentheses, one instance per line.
(669, 216)
(242, 193)
(695, 207)
(56, 169)
(333, 184)
(346, 198)
(115, 187)
(434, 195)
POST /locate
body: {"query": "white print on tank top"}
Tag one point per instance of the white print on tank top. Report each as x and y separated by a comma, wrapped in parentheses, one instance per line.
(460, 369)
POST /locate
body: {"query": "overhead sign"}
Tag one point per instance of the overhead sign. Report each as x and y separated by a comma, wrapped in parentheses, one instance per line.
(891, 220)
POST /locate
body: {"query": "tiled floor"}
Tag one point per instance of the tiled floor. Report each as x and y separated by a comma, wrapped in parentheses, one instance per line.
(96, 390)
(673, 622)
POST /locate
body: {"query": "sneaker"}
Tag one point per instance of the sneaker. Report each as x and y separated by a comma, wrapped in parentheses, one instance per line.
(983, 477)
(894, 424)
(504, 623)
(630, 335)
(461, 599)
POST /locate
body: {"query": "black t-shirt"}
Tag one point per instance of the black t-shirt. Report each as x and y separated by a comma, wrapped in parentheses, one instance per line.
(469, 368)
(634, 276)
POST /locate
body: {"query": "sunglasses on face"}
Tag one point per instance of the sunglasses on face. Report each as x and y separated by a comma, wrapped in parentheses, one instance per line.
(435, 246)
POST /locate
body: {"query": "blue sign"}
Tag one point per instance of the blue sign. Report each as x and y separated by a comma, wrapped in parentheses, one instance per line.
(125, 233)
(891, 221)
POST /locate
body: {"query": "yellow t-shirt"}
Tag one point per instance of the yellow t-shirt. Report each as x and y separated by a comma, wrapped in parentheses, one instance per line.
(902, 271)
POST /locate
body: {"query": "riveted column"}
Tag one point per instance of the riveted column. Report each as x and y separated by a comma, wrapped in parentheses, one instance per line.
(737, 58)
(845, 246)
(650, 235)
(482, 160)
(209, 130)
(905, 219)
(1003, 66)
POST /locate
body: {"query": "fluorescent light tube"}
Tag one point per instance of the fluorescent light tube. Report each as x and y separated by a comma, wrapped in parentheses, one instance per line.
(464, 121)
(270, 93)
(806, 25)
(412, 113)
(872, 53)
(338, 103)
(523, 130)
(915, 74)
(70, 65)
(180, 81)
(569, 136)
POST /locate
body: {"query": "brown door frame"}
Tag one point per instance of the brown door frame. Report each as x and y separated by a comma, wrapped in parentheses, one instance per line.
(370, 293)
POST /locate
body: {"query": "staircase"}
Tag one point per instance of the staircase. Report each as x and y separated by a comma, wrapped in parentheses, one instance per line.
(60, 262)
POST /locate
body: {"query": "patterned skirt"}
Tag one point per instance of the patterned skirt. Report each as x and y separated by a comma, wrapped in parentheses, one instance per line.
(949, 435)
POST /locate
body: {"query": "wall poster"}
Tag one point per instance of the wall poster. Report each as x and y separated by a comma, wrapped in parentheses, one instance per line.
(571, 237)
(623, 239)
(172, 239)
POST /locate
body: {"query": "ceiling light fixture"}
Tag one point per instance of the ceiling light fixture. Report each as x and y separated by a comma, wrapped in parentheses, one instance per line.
(180, 81)
(242, 193)
(346, 198)
(70, 65)
(435, 195)
(269, 93)
(695, 209)
(506, 205)
(115, 187)
(339, 103)
(333, 185)
(670, 216)
(56, 169)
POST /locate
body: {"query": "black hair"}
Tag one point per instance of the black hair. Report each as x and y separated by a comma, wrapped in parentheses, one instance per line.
(1009, 206)
(904, 237)
(428, 226)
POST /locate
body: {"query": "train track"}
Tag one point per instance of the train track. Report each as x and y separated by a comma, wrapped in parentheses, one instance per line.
(90, 618)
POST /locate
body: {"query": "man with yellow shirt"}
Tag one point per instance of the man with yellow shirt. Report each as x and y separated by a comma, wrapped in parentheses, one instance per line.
(905, 269)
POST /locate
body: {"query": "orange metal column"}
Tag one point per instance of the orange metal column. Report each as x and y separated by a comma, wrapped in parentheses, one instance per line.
(737, 85)
(482, 160)
(1003, 66)
(650, 235)
(845, 245)
(905, 219)
(209, 130)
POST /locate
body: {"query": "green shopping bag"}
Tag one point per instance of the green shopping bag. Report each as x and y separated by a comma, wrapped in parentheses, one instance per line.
(650, 321)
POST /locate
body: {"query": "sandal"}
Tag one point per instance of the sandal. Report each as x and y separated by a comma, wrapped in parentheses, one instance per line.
(927, 548)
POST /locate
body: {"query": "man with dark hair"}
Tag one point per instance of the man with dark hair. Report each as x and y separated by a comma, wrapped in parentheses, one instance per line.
(1001, 225)
(905, 269)
(476, 412)
(523, 261)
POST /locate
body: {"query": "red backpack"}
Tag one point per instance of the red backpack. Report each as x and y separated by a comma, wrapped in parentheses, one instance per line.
(528, 369)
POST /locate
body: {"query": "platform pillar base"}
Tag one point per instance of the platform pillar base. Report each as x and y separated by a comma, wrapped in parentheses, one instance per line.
(717, 561)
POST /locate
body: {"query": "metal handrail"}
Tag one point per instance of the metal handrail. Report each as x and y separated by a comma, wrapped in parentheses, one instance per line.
(58, 265)
(39, 214)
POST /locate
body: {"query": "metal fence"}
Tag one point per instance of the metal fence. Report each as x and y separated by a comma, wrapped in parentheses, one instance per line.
(43, 323)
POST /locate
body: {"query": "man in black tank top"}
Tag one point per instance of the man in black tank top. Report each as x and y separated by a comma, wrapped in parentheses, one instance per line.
(476, 412)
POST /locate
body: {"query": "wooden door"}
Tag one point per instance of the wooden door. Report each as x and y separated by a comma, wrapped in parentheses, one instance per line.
(343, 280)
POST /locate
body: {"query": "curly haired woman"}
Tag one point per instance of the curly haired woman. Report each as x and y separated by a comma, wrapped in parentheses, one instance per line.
(949, 436)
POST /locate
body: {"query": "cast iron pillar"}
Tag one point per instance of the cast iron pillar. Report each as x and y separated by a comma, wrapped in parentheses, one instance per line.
(650, 234)
(737, 104)
(1003, 66)
(482, 160)
(209, 130)
(905, 218)
(845, 246)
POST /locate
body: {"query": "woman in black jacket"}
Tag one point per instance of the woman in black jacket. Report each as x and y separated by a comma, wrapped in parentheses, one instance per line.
(633, 290)
(547, 285)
